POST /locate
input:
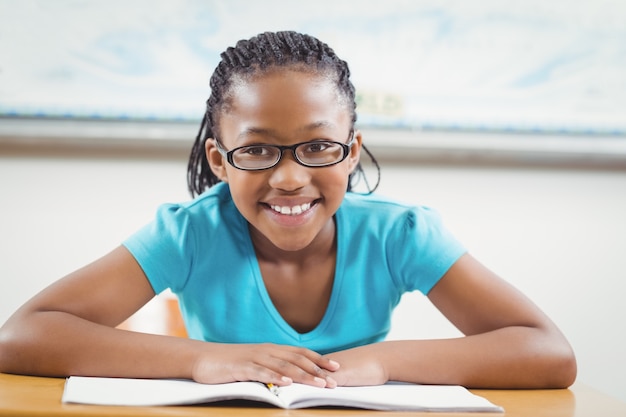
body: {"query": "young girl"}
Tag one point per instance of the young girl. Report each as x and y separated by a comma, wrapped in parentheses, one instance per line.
(282, 275)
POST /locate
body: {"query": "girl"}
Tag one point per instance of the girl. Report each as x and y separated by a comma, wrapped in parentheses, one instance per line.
(282, 276)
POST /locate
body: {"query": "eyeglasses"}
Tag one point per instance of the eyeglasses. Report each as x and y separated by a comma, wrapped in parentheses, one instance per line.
(313, 154)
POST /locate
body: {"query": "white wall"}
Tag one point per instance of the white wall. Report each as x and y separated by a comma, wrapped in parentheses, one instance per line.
(558, 235)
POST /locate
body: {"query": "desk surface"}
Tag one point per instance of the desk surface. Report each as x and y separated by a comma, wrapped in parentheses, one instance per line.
(34, 396)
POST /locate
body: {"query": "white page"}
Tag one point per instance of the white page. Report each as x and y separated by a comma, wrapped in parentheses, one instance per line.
(155, 392)
(148, 392)
(392, 396)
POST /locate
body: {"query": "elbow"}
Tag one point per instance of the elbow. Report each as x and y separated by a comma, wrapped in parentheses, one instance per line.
(14, 348)
(563, 370)
(5, 351)
(558, 367)
(544, 361)
(8, 351)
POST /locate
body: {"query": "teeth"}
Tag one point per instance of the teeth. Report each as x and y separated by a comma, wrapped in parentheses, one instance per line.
(293, 211)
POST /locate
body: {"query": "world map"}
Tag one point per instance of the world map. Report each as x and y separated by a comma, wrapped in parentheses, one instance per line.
(557, 66)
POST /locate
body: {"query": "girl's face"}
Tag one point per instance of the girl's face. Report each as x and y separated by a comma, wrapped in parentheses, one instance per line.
(289, 206)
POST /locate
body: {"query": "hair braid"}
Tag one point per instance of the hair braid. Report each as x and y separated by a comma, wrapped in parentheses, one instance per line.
(255, 56)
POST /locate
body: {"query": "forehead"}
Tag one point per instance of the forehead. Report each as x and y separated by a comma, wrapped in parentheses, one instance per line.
(284, 78)
(284, 99)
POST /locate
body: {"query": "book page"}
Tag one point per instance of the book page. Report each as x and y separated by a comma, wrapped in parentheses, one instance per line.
(153, 392)
(391, 396)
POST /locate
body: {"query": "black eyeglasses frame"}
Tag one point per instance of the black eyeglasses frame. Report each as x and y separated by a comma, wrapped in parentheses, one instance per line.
(228, 154)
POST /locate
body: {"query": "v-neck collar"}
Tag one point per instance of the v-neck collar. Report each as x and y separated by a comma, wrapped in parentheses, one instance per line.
(272, 311)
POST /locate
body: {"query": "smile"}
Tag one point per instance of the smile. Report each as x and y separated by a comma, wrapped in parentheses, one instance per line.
(291, 211)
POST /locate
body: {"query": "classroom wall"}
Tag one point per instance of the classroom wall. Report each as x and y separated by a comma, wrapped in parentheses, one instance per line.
(558, 235)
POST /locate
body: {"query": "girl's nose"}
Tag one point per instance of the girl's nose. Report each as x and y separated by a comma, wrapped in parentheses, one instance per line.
(289, 175)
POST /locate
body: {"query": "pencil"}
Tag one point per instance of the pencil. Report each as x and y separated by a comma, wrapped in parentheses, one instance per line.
(273, 388)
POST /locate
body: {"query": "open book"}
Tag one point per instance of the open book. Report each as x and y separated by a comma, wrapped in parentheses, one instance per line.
(392, 396)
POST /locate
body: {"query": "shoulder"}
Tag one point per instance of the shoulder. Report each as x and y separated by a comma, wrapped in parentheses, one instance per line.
(213, 204)
(176, 242)
(211, 212)
(381, 209)
(215, 197)
(387, 220)
(410, 240)
(370, 200)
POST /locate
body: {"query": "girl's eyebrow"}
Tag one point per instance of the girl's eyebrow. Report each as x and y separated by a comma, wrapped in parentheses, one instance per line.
(274, 133)
(254, 131)
(318, 125)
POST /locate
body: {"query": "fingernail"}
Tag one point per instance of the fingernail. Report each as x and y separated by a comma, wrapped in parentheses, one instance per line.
(334, 363)
(330, 383)
(286, 380)
(320, 381)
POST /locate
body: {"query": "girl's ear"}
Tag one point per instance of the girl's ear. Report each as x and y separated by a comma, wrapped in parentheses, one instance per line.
(216, 161)
(355, 150)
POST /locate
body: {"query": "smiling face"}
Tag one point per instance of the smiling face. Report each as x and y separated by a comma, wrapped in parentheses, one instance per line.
(289, 207)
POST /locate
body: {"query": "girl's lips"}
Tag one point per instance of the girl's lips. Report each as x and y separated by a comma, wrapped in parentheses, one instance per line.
(292, 215)
(291, 210)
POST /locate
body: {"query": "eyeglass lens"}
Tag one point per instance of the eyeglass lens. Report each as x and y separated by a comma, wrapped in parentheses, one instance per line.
(310, 153)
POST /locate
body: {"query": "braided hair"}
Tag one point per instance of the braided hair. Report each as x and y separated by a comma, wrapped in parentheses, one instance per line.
(255, 56)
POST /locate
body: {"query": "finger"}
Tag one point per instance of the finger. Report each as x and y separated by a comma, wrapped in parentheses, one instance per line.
(305, 366)
(322, 362)
(330, 364)
(260, 373)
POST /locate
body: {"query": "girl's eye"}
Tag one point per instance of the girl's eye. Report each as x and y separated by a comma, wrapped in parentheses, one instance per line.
(316, 147)
(257, 151)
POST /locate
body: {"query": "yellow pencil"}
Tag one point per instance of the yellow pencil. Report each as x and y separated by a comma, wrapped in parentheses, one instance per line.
(273, 388)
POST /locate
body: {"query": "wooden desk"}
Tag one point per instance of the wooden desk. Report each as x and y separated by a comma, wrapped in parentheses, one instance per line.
(33, 396)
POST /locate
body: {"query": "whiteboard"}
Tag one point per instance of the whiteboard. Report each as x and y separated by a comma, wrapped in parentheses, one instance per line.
(515, 66)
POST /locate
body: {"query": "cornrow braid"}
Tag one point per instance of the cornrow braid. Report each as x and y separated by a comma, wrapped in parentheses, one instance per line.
(255, 56)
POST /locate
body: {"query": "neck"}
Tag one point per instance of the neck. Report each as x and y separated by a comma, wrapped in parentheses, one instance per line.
(323, 246)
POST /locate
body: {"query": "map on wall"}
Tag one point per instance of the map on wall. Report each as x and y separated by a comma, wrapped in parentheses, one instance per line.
(530, 66)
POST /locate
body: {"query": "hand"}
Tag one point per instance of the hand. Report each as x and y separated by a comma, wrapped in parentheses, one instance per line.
(359, 366)
(267, 363)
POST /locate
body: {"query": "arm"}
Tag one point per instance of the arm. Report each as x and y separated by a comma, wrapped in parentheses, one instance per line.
(69, 329)
(509, 342)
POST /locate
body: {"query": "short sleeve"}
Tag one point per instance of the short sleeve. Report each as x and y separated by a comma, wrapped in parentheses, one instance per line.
(165, 248)
(423, 250)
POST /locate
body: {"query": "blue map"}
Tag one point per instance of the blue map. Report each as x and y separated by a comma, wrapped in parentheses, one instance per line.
(539, 66)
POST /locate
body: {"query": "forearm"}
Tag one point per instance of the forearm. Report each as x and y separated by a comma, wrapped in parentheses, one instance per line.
(60, 344)
(511, 357)
(53, 343)
(510, 342)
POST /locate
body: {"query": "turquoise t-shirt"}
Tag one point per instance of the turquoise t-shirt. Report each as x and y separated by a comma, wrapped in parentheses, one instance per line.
(202, 251)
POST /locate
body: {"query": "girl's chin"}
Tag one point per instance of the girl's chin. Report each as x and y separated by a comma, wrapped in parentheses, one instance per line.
(290, 241)
(291, 233)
